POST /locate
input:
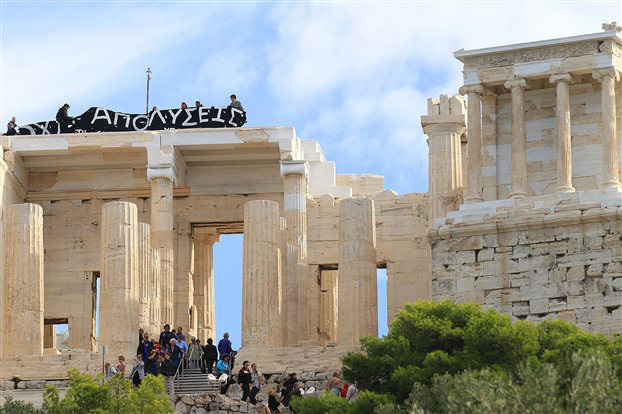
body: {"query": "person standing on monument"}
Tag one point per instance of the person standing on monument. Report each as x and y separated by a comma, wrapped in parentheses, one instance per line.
(210, 355)
(184, 106)
(197, 104)
(166, 335)
(244, 379)
(11, 125)
(180, 332)
(224, 346)
(177, 355)
(235, 103)
(145, 346)
(257, 380)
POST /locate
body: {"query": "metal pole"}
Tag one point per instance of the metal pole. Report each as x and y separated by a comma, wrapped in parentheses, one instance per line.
(148, 79)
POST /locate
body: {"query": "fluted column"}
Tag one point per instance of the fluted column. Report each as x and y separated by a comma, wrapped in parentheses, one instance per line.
(295, 211)
(519, 139)
(155, 314)
(23, 283)
(474, 142)
(328, 307)
(204, 239)
(444, 125)
(261, 315)
(282, 279)
(118, 310)
(357, 284)
(162, 239)
(608, 77)
(145, 272)
(564, 152)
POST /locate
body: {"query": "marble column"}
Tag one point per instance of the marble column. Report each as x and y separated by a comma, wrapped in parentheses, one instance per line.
(155, 301)
(295, 211)
(261, 315)
(520, 187)
(23, 281)
(145, 272)
(118, 309)
(474, 142)
(204, 239)
(328, 307)
(444, 125)
(162, 233)
(357, 284)
(282, 280)
(608, 77)
(564, 151)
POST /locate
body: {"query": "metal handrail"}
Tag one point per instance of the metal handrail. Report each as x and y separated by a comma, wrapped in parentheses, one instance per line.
(181, 362)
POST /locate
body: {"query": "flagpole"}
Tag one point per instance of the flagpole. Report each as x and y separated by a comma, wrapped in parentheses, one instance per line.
(148, 79)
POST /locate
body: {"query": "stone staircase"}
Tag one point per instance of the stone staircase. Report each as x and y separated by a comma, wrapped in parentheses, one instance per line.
(193, 381)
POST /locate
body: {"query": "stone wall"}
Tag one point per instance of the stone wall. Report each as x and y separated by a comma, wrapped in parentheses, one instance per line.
(553, 257)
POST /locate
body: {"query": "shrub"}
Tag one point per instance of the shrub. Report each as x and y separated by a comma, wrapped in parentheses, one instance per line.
(429, 339)
(12, 406)
(87, 394)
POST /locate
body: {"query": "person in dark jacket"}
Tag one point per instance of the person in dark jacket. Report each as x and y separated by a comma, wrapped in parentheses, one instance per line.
(224, 346)
(167, 368)
(176, 355)
(145, 346)
(288, 387)
(166, 335)
(273, 402)
(151, 365)
(244, 379)
(210, 355)
(63, 118)
(11, 125)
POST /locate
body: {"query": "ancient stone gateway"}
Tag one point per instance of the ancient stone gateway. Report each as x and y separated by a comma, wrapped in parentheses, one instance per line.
(523, 214)
(142, 212)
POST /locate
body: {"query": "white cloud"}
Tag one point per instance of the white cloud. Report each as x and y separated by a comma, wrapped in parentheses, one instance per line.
(67, 58)
(365, 71)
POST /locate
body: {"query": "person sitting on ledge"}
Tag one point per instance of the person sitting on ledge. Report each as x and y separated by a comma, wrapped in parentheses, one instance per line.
(11, 125)
(62, 117)
(235, 103)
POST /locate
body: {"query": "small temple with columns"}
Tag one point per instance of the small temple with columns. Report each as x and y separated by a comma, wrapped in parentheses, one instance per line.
(523, 214)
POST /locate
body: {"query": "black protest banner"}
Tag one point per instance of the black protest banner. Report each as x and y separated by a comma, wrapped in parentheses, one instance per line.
(105, 120)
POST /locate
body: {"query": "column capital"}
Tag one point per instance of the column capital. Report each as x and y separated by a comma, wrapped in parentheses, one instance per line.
(443, 128)
(560, 77)
(516, 83)
(208, 235)
(475, 88)
(298, 167)
(599, 74)
(165, 161)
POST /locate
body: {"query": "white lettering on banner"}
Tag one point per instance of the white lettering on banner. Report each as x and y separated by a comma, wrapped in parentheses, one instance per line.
(203, 111)
(127, 118)
(170, 111)
(44, 128)
(105, 116)
(233, 111)
(153, 114)
(218, 118)
(139, 117)
(186, 123)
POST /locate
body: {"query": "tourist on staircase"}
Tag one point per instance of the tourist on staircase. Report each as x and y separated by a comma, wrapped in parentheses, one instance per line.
(210, 355)
(224, 346)
(168, 369)
(257, 380)
(145, 346)
(288, 387)
(138, 370)
(151, 364)
(273, 403)
(244, 379)
(177, 356)
(194, 354)
(224, 372)
(166, 335)
(181, 333)
(141, 335)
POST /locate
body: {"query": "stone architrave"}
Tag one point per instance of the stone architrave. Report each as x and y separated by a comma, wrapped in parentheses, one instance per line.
(519, 139)
(328, 307)
(608, 77)
(261, 315)
(118, 310)
(162, 239)
(204, 239)
(564, 152)
(297, 275)
(357, 279)
(444, 126)
(23, 326)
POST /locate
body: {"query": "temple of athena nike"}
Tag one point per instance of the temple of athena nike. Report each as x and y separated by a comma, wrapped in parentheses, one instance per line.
(523, 215)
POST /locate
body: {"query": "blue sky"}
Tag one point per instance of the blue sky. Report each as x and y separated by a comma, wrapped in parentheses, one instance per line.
(354, 76)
